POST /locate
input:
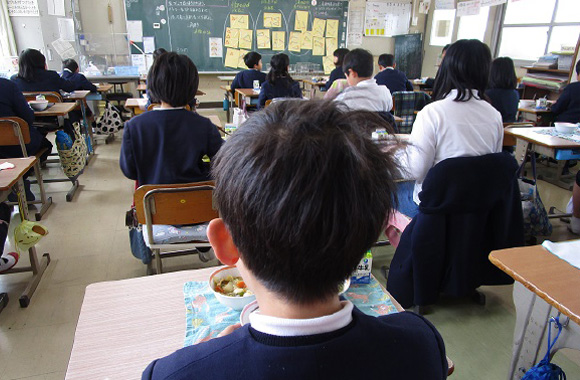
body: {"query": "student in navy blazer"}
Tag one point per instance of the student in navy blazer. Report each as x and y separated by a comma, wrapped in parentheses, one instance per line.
(567, 108)
(246, 78)
(70, 72)
(337, 73)
(279, 83)
(389, 76)
(502, 88)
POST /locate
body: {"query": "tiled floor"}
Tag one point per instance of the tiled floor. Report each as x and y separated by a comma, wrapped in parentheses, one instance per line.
(88, 242)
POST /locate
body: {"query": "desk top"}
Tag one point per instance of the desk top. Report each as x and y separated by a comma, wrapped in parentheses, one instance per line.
(104, 87)
(533, 110)
(77, 95)
(247, 92)
(142, 87)
(58, 109)
(530, 134)
(8, 177)
(115, 79)
(226, 78)
(312, 83)
(226, 88)
(545, 274)
(135, 102)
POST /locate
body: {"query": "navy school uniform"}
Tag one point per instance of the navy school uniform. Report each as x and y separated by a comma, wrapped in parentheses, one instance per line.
(506, 101)
(80, 81)
(567, 108)
(167, 146)
(246, 78)
(283, 88)
(335, 74)
(395, 80)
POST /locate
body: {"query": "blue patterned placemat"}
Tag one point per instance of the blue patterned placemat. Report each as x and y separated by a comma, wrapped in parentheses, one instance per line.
(568, 136)
(206, 317)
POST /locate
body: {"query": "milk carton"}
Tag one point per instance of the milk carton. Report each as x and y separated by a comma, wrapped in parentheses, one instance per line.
(362, 274)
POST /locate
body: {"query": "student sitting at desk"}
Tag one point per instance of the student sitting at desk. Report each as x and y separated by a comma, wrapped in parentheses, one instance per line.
(246, 78)
(459, 123)
(364, 93)
(337, 73)
(389, 76)
(167, 145)
(502, 88)
(567, 107)
(279, 83)
(280, 208)
(70, 72)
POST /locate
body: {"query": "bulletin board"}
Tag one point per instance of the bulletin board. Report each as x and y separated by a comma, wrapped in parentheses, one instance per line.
(216, 34)
(387, 19)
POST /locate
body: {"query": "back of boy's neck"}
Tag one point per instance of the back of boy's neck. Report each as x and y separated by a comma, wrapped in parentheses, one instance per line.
(276, 306)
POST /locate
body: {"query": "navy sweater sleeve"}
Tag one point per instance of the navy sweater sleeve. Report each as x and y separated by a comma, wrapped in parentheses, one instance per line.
(264, 94)
(236, 83)
(86, 85)
(21, 107)
(127, 159)
(563, 101)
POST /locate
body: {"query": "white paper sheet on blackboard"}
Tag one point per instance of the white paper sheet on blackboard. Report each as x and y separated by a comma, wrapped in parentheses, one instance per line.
(148, 44)
(56, 7)
(135, 30)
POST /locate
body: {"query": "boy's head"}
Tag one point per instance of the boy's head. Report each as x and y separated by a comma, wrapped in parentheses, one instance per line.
(357, 66)
(173, 79)
(158, 52)
(339, 55)
(386, 60)
(253, 60)
(303, 193)
(578, 69)
(71, 65)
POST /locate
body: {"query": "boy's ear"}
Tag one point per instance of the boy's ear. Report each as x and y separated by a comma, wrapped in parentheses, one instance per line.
(222, 243)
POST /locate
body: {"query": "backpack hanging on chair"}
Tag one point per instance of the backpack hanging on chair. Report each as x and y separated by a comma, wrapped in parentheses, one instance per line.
(73, 158)
(110, 121)
(545, 370)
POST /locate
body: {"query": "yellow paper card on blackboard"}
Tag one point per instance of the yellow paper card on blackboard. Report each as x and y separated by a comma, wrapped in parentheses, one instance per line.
(231, 39)
(306, 42)
(318, 46)
(245, 38)
(328, 64)
(332, 28)
(239, 21)
(331, 46)
(278, 40)
(301, 21)
(294, 41)
(263, 38)
(232, 58)
(241, 63)
(318, 27)
(272, 20)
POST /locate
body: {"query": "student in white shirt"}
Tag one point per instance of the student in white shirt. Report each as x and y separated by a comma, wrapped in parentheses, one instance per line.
(364, 93)
(460, 123)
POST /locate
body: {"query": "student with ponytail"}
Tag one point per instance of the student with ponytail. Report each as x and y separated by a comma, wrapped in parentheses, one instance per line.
(279, 83)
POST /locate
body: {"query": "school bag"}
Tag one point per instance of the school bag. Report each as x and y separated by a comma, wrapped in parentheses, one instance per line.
(110, 121)
(545, 370)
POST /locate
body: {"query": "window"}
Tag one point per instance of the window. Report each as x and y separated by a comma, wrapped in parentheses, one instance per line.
(442, 27)
(473, 27)
(532, 28)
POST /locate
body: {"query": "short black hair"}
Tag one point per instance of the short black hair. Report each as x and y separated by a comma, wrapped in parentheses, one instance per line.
(252, 58)
(29, 61)
(173, 79)
(578, 68)
(503, 74)
(465, 68)
(386, 60)
(70, 64)
(158, 52)
(359, 61)
(340, 53)
(279, 70)
(304, 193)
(445, 48)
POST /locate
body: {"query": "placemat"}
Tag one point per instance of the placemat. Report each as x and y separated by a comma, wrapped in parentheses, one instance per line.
(206, 317)
(566, 250)
(567, 136)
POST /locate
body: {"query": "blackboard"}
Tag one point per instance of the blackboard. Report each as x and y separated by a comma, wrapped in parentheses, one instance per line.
(409, 54)
(186, 26)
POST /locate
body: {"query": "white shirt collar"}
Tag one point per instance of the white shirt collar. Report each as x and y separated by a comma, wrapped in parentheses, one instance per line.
(301, 327)
(367, 82)
(65, 69)
(390, 68)
(168, 109)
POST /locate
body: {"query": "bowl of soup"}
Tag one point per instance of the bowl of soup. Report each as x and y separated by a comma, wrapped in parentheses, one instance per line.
(565, 127)
(230, 289)
(38, 105)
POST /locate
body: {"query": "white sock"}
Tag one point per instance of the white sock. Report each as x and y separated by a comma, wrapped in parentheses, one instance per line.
(575, 225)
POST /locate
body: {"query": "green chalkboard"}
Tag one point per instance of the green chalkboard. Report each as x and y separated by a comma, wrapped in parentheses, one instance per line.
(186, 26)
(409, 54)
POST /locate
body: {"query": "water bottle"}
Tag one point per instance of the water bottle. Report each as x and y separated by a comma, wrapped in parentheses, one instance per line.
(226, 104)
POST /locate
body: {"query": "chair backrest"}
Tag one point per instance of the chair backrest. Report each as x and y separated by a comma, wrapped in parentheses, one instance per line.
(51, 96)
(152, 106)
(268, 102)
(405, 103)
(175, 204)
(14, 131)
(509, 140)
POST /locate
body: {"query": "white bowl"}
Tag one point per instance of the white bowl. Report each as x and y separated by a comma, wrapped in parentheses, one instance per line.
(527, 103)
(38, 105)
(236, 303)
(565, 127)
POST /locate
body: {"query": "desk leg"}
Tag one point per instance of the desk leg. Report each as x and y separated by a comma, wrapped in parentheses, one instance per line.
(522, 148)
(530, 335)
(37, 267)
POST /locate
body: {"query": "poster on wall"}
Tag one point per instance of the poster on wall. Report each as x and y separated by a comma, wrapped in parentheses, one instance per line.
(468, 8)
(386, 19)
(22, 8)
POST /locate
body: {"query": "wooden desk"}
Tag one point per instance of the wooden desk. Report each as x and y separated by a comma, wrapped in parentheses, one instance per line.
(12, 178)
(541, 116)
(136, 105)
(124, 325)
(226, 78)
(104, 87)
(246, 95)
(545, 287)
(314, 86)
(142, 87)
(555, 147)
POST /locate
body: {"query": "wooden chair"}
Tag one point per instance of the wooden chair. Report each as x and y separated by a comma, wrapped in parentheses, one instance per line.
(15, 131)
(268, 102)
(509, 140)
(175, 204)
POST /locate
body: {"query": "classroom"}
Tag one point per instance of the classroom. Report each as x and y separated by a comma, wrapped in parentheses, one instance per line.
(252, 159)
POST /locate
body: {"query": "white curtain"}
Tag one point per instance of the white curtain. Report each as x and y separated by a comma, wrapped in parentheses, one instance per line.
(7, 41)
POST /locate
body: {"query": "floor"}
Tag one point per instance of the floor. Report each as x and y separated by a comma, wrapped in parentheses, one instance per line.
(88, 242)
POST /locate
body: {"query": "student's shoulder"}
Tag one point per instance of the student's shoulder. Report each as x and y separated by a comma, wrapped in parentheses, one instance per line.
(414, 329)
(194, 361)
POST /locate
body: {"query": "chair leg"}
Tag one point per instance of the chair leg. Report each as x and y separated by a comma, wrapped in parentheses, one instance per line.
(158, 265)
